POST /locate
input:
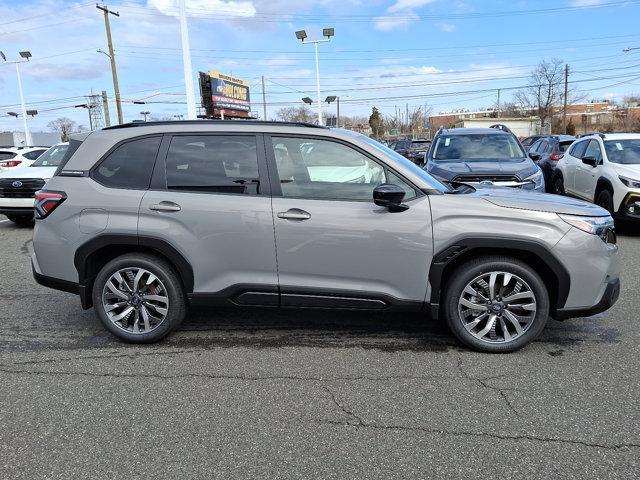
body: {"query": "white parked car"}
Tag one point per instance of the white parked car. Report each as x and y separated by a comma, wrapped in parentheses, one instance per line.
(18, 185)
(13, 157)
(604, 169)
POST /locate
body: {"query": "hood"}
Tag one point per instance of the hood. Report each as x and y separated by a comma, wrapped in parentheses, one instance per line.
(450, 169)
(631, 171)
(540, 202)
(29, 172)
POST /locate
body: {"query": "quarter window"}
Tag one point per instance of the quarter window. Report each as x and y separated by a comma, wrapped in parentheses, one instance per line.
(213, 163)
(320, 169)
(130, 165)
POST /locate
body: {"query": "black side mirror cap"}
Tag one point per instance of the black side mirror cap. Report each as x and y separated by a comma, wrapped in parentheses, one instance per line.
(534, 156)
(590, 160)
(390, 196)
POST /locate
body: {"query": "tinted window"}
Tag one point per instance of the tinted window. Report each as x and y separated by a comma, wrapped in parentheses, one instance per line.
(578, 149)
(328, 170)
(534, 147)
(477, 147)
(52, 157)
(593, 150)
(130, 165)
(562, 146)
(213, 163)
(7, 155)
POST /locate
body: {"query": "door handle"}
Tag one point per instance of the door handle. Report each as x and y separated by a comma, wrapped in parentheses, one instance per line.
(294, 214)
(165, 207)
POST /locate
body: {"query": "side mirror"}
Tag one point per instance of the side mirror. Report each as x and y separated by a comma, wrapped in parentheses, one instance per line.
(590, 160)
(534, 156)
(390, 196)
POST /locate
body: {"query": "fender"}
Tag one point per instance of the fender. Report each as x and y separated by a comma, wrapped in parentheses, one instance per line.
(82, 259)
(529, 249)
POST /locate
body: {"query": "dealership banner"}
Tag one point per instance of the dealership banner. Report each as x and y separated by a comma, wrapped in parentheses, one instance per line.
(229, 92)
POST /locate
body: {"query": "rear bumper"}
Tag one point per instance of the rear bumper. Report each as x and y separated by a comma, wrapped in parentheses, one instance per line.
(55, 283)
(609, 298)
(16, 211)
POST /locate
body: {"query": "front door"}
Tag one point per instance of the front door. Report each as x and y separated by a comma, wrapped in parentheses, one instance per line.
(210, 197)
(335, 247)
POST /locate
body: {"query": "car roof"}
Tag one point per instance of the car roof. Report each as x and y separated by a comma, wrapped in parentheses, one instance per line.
(621, 136)
(473, 131)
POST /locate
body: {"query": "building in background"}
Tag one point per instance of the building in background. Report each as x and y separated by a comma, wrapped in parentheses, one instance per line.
(40, 139)
(224, 96)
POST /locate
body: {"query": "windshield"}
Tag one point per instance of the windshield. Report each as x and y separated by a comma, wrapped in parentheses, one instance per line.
(52, 157)
(420, 145)
(626, 152)
(477, 147)
(432, 182)
(563, 146)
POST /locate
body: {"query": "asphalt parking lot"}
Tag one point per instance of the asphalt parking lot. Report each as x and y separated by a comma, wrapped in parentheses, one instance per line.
(310, 394)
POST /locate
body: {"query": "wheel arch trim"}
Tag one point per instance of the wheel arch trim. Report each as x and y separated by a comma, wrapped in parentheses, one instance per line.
(448, 256)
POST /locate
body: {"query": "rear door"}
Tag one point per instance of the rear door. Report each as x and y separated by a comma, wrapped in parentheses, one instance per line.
(586, 175)
(335, 246)
(571, 161)
(210, 199)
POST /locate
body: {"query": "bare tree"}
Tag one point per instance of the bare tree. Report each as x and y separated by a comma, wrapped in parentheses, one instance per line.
(65, 126)
(545, 90)
(296, 114)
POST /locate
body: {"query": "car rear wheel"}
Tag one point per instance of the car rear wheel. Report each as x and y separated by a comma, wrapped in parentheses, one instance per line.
(139, 298)
(557, 186)
(496, 304)
(605, 200)
(22, 220)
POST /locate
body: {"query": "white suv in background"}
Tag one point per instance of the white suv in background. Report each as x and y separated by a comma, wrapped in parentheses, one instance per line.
(12, 157)
(18, 186)
(604, 169)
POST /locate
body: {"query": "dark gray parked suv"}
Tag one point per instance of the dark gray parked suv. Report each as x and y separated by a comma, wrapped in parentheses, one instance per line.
(143, 220)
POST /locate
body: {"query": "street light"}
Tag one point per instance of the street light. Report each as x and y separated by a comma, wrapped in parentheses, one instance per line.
(13, 114)
(145, 113)
(32, 113)
(26, 55)
(179, 116)
(302, 35)
(307, 100)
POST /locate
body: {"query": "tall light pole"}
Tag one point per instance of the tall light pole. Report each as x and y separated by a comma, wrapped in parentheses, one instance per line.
(26, 55)
(186, 61)
(327, 33)
(145, 113)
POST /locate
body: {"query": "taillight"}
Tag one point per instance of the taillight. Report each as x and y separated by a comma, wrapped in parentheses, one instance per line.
(10, 163)
(556, 156)
(47, 202)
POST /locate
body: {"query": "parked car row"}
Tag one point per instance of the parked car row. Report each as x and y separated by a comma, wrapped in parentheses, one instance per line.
(142, 220)
(12, 157)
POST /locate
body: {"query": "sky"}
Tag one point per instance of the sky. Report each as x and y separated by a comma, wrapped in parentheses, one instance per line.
(440, 54)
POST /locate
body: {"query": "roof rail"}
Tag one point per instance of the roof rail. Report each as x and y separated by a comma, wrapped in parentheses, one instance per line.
(213, 122)
(500, 126)
(590, 134)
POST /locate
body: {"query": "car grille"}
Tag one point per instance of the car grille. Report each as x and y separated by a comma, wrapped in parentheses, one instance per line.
(482, 178)
(27, 188)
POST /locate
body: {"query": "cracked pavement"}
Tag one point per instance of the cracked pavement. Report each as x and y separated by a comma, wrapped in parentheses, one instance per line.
(261, 393)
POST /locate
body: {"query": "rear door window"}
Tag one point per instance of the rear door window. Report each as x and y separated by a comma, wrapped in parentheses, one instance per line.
(578, 149)
(213, 163)
(129, 165)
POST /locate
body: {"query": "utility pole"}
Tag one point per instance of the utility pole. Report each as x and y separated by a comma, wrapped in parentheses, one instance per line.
(105, 108)
(498, 103)
(264, 100)
(186, 61)
(112, 57)
(407, 118)
(566, 94)
(338, 112)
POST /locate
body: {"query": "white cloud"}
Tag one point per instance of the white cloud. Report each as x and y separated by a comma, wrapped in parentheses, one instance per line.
(446, 27)
(206, 8)
(400, 15)
(387, 23)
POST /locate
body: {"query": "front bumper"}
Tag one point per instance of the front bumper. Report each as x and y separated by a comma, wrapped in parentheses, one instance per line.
(629, 207)
(608, 299)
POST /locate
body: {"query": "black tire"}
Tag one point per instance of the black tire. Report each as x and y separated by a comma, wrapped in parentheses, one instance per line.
(471, 270)
(22, 220)
(557, 185)
(604, 199)
(165, 273)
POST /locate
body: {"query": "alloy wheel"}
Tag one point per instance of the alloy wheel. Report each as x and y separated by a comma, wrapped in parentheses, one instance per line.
(135, 300)
(497, 307)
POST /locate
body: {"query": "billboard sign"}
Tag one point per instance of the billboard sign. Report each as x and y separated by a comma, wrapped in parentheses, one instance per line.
(229, 92)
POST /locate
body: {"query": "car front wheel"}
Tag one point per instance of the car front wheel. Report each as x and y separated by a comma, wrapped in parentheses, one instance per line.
(496, 304)
(557, 186)
(139, 298)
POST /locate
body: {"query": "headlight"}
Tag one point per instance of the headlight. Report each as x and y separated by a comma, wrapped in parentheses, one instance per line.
(629, 182)
(536, 178)
(601, 226)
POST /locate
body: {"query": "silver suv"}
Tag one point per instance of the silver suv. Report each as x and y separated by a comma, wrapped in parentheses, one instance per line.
(143, 220)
